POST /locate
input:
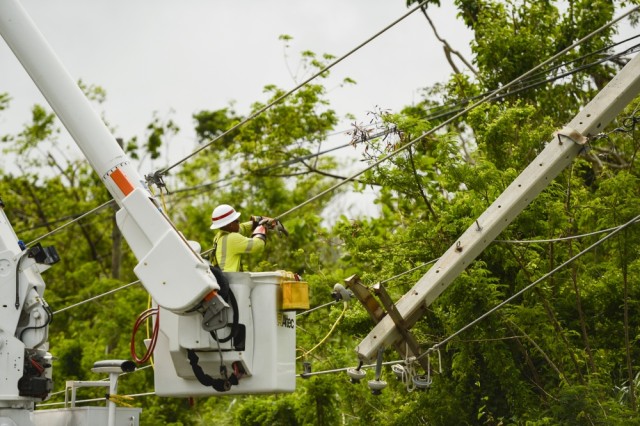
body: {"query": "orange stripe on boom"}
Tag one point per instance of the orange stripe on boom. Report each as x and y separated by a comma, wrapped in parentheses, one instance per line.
(121, 180)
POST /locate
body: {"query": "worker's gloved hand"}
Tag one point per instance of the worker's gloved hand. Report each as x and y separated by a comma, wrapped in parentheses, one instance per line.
(263, 220)
(260, 232)
(269, 222)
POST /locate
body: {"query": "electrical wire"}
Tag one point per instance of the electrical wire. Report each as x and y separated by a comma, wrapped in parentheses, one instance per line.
(308, 311)
(467, 109)
(439, 114)
(381, 282)
(363, 137)
(351, 177)
(100, 207)
(434, 347)
(91, 299)
(408, 271)
(337, 61)
(342, 370)
(262, 170)
(521, 78)
(456, 107)
(530, 286)
(437, 346)
(595, 52)
(197, 187)
(285, 95)
(309, 156)
(555, 240)
(333, 327)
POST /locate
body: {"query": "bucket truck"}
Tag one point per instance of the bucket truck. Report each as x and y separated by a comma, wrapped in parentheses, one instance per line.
(25, 361)
(204, 345)
(198, 350)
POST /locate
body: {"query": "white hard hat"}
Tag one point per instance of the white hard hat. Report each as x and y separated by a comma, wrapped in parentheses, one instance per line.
(223, 215)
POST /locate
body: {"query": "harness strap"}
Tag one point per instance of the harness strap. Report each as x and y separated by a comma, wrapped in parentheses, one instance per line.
(214, 258)
(236, 319)
(221, 385)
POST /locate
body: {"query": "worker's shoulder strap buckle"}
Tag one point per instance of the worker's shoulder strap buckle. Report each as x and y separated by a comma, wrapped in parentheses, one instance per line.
(572, 134)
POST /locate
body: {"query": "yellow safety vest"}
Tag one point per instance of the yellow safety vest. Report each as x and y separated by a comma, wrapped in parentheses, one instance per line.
(231, 246)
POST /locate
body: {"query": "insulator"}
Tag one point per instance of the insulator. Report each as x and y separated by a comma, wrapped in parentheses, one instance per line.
(356, 375)
(422, 382)
(376, 386)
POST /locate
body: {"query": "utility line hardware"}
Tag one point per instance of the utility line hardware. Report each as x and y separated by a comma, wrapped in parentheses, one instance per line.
(553, 159)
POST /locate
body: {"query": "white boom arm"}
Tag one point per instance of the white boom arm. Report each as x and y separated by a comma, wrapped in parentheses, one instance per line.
(176, 277)
(556, 156)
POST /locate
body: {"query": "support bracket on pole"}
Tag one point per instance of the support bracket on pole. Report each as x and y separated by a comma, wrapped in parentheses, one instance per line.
(377, 312)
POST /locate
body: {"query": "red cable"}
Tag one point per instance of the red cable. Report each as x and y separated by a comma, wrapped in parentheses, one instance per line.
(154, 335)
(37, 366)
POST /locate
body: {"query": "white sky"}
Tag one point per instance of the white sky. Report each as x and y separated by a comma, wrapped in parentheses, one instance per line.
(189, 55)
(185, 56)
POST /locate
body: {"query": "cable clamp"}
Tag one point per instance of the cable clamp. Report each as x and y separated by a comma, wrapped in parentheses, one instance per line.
(156, 179)
(572, 134)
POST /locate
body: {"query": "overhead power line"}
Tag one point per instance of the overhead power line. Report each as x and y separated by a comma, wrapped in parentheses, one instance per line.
(362, 137)
(530, 286)
(91, 299)
(521, 78)
(440, 114)
(295, 89)
(82, 216)
(437, 346)
(613, 230)
(554, 240)
(459, 114)
(354, 140)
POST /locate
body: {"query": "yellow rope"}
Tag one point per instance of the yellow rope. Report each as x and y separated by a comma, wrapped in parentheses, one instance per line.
(120, 399)
(162, 199)
(164, 204)
(148, 331)
(327, 336)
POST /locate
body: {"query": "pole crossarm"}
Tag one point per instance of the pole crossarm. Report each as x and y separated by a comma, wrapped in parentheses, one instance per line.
(410, 347)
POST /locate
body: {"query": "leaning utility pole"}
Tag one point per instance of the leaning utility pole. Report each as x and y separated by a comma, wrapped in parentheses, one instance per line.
(557, 155)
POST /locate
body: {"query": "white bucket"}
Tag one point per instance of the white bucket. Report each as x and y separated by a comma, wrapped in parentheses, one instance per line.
(268, 354)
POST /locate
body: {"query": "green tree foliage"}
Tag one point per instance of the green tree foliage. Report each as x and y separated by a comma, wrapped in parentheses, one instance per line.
(541, 360)
(564, 352)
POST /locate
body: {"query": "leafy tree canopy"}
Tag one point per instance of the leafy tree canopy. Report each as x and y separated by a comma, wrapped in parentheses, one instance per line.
(564, 352)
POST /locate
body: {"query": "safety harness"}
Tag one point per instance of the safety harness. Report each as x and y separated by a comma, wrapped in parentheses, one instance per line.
(225, 383)
(221, 385)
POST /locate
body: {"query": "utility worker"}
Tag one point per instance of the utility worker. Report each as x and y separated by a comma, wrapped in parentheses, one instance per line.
(235, 239)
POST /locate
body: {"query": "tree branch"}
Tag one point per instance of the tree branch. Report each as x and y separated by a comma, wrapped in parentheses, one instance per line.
(419, 183)
(447, 48)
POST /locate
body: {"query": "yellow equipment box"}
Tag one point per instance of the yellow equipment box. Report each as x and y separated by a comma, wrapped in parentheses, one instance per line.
(295, 295)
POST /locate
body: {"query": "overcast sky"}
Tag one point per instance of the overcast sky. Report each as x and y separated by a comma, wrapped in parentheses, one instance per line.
(179, 57)
(189, 55)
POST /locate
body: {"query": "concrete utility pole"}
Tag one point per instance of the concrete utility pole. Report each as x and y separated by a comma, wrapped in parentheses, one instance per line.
(557, 155)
